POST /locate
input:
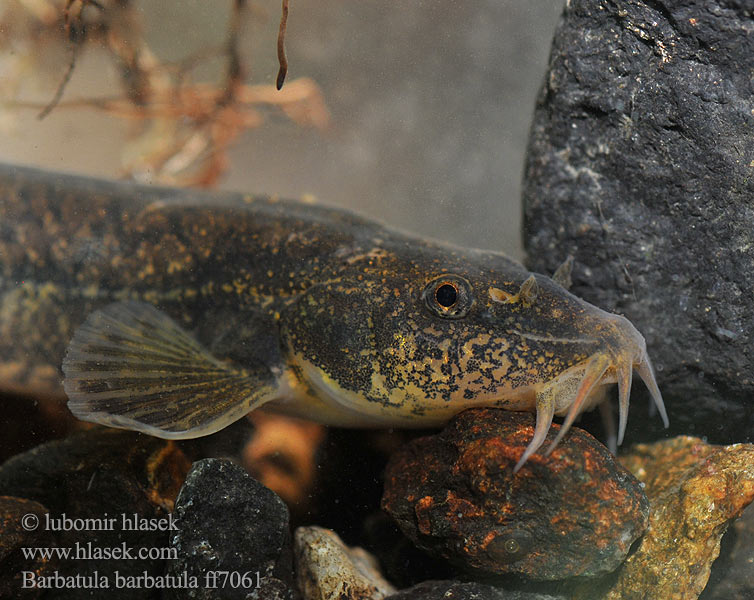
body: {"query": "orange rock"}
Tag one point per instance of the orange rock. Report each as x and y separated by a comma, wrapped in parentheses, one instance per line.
(695, 491)
(576, 512)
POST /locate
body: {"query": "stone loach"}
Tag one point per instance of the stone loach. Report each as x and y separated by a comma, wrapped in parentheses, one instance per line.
(641, 165)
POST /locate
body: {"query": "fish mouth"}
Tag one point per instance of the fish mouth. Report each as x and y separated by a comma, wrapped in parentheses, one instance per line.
(623, 353)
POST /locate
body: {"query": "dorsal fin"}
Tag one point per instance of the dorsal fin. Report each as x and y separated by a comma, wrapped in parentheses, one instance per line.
(562, 275)
(131, 366)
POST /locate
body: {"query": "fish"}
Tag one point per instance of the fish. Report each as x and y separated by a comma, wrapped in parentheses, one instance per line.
(177, 312)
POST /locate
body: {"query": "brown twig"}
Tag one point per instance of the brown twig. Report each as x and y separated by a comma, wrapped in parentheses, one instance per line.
(76, 33)
(62, 85)
(234, 75)
(283, 71)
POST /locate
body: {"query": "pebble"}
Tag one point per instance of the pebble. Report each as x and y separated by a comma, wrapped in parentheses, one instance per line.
(456, 590)
(327, 569)
(229, 522)
(576, 512)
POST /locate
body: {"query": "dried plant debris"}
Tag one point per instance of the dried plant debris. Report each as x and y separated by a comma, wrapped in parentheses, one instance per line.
(695, 491)
(183, 128)
(75, 32)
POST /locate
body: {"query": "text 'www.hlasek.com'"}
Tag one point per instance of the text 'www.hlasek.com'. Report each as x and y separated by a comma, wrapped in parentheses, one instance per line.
(124, 540)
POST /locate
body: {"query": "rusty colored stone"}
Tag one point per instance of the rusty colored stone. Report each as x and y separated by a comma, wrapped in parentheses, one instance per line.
(695, 490)
(576, 512)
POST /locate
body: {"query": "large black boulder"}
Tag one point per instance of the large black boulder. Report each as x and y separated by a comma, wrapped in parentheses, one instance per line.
(641, 165)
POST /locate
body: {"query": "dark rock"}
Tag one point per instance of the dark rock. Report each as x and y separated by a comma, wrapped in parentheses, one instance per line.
(101, 474)
(43, 420)
(574, 513)
(402, 562)
(98, 469)
(732, 576)
(228, 521)
(19, 529)
(640, 165)
(455, 590)
(269, 588)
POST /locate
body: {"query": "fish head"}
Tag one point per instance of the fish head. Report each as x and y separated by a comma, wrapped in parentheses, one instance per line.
(416, 340)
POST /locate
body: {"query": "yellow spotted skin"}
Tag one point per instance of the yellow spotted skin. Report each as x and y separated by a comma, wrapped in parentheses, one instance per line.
(364, 325)
(388, 359)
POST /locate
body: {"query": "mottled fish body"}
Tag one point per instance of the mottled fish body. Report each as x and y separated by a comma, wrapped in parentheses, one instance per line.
(176, 312)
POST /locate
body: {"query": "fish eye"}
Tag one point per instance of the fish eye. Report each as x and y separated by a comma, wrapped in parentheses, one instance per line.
(448, 296)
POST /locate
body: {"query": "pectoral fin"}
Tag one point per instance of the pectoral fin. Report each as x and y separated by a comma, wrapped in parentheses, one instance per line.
(131, 366)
